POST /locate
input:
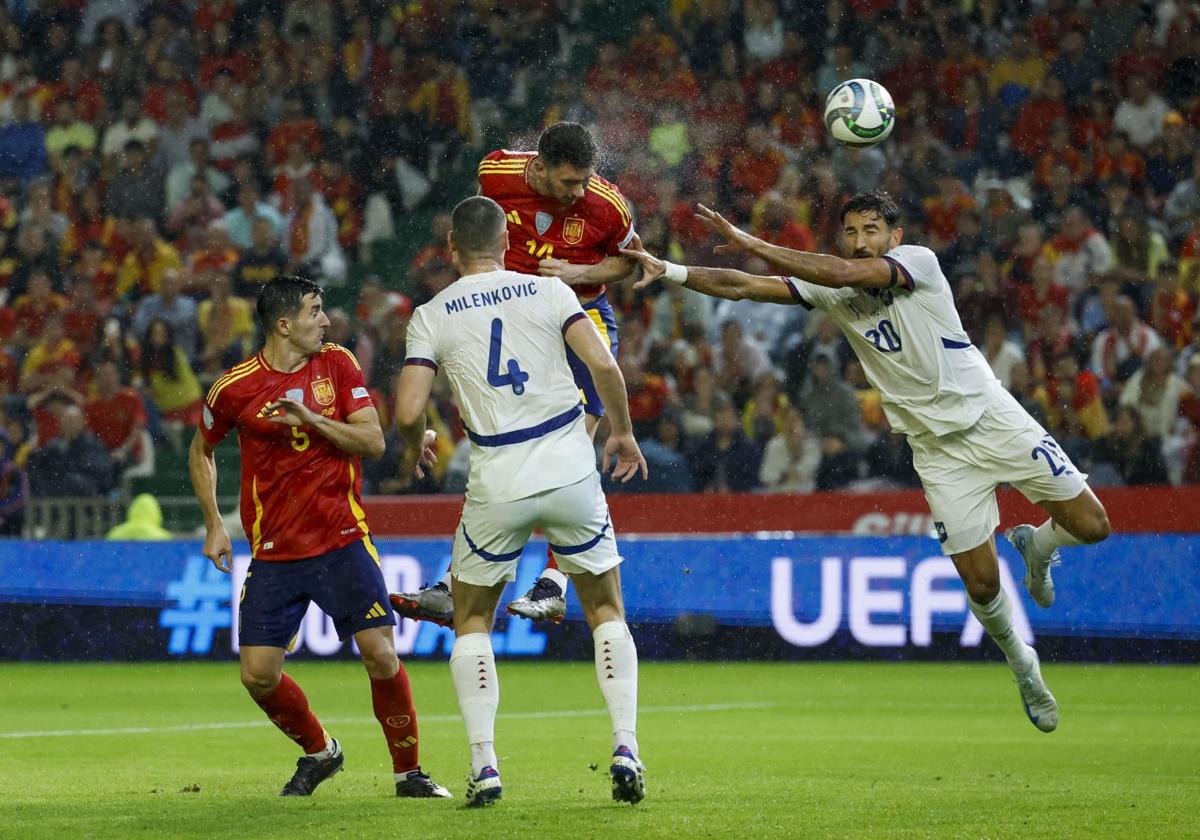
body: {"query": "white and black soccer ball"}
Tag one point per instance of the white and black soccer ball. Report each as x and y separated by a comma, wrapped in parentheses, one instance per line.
(860, 112)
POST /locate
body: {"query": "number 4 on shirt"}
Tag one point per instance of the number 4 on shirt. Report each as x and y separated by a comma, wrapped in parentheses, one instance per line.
(516, 378)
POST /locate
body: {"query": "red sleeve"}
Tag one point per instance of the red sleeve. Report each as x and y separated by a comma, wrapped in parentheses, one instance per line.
(618, 219)
(218, 415)
(351, 388)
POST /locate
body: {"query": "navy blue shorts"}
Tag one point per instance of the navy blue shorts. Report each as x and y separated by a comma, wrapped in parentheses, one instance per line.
(347, 583)
(601, 313)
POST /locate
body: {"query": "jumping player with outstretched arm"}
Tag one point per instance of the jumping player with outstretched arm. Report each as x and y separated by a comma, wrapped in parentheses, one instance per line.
(502, 339)
(967, 433)
(304, 420)
(563, 221)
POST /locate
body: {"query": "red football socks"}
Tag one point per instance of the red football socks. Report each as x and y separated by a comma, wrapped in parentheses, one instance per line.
(392, 699)
(287, 707)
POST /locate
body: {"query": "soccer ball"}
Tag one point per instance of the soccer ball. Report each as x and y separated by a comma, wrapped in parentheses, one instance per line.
(859, 112)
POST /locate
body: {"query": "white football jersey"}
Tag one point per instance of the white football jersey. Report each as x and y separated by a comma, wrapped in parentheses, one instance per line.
(499, 337)
(911, 343)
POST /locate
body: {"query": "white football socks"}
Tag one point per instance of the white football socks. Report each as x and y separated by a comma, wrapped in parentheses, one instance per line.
(473, 669)
(1048, 536)
(616, 671)
(556, 576)
(996, 619)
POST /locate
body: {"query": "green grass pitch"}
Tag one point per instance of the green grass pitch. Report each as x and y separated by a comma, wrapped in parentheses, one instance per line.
(732, 750)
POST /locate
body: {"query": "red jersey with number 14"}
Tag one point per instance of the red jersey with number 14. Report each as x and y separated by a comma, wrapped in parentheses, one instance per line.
(594, 227)
(301, 495)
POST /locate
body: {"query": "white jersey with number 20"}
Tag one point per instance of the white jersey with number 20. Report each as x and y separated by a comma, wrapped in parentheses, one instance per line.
(499, 338)
(911, 343)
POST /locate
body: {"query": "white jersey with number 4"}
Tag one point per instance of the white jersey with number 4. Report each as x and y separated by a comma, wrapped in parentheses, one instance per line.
(911, 343)
(499, 338)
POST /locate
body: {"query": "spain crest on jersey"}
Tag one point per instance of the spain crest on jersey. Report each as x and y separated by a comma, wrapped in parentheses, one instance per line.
(573, 230)
(323, 391)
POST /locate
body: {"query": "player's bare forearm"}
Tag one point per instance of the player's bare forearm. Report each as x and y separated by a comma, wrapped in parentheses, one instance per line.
(608, 270)
(610, 384)
(413, 435)
(202, 467)
(823, 269)
(731, 284)
(361, 436)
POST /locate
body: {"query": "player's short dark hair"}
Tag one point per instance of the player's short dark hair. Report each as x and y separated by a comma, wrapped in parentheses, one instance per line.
(282, 298)
(477, 223)
(875, 202)
(569, 143)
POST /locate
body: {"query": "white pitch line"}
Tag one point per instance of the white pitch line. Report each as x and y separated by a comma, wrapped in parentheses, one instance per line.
(254, 724)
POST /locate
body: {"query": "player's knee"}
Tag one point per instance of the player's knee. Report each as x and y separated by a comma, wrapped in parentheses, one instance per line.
(983, 590)
(259, 683)
(1096, 527)
(380, 663)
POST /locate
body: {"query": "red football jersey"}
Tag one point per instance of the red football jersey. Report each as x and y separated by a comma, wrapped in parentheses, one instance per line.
(301, 495)
(595, 227)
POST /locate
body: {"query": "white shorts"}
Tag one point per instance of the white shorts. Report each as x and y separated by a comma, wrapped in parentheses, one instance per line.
(960, 471)
(491, 535)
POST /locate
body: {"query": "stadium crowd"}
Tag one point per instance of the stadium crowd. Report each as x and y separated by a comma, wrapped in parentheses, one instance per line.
(160, 160)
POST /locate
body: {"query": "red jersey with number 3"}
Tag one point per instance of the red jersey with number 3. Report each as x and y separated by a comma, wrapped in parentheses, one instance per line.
(301, 495)
(594, 227)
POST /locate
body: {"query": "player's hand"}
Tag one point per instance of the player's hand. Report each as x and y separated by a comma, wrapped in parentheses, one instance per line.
(629, 459)
(218, 548)
(567, 272)
(737, 241)
(290, 413)
(428, 454)
(652, 267)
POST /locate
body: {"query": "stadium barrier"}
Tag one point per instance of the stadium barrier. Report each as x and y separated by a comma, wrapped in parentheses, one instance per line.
(771, 593)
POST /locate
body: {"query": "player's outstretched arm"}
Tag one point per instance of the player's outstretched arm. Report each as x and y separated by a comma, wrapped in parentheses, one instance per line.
(416, 383)
(608, 270)
(821, 269)
(593, 351)
(360, 434)
(716, 282)
(203, 469)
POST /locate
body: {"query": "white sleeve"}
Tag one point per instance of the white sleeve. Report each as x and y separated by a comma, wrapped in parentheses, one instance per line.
(565, 304)
(420, 348)
(918, 267)
(810, 295)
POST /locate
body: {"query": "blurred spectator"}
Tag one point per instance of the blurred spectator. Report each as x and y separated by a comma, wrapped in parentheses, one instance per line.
(830, 407)
(1001, 354)
(14, 488)
(240, 220)
(1141, 113)
(839, 463)
(53, 358)
(668, 464)
(1081, 250)
(312, 243)
(132, 126)
(725, 461)
(196, 163)
(137, 191)
(170, 381)
(791, 457)
(144, 522)
(190, 220)
(171, 305)
(22, 144)
(763, 415)
(116, 414)
(737, 361)
(1136, 455)
(227, 329)
(72, 464)
(261, 263)
(1119, 350)
(148, 260)
(1155, 391)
